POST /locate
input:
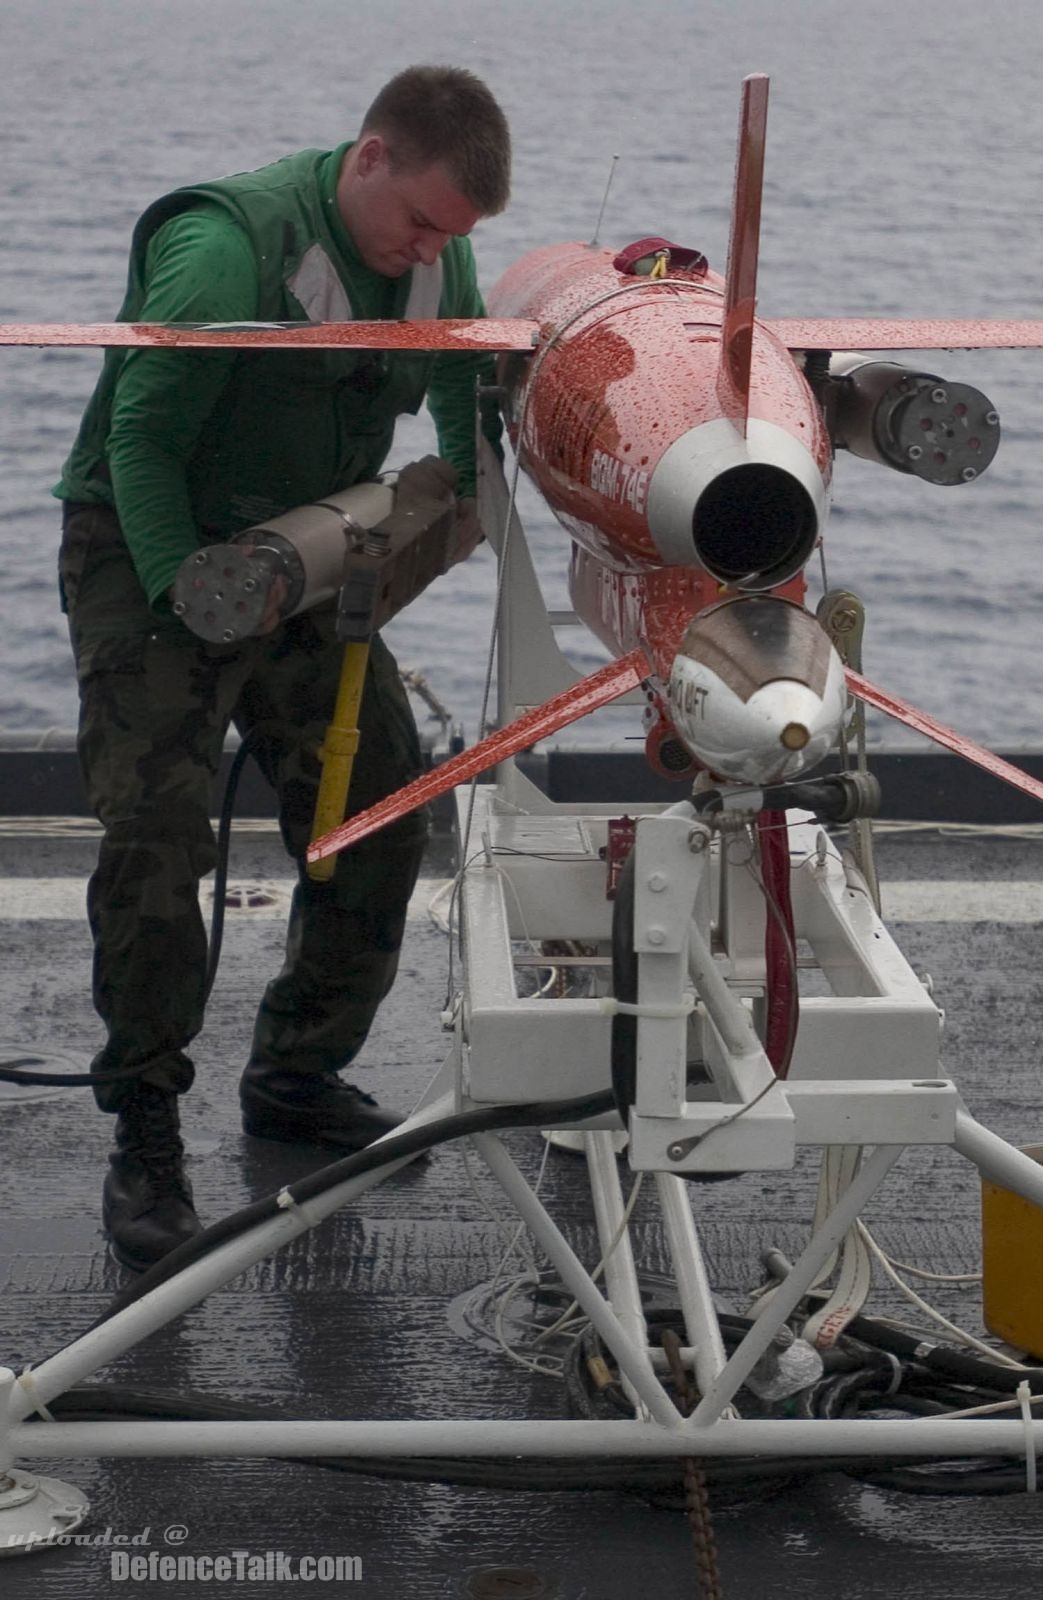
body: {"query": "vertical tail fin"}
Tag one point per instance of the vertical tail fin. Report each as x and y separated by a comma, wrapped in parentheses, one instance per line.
(740, 296)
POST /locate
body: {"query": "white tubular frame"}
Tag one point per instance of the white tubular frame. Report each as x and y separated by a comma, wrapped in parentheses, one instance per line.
(537, 874)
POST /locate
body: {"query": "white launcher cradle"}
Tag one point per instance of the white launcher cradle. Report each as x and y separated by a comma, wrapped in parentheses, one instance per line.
(865, 1079)
(864, 1074)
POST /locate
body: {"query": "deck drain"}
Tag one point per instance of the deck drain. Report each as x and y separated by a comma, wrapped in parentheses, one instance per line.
(247, 897)
(506, 1583)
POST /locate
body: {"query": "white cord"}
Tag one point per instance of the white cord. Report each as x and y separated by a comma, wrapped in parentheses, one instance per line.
(526, 1254)
(635, 1190)
(499, 1298)
(439, 917)
(936, 1316)
(930, 1277)
(984, 1411)
(963, 830)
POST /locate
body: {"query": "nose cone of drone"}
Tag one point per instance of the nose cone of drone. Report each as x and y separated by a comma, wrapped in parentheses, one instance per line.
(757, 690)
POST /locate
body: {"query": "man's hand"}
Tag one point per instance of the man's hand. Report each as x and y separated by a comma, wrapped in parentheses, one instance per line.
(272, 617)
(467, 530)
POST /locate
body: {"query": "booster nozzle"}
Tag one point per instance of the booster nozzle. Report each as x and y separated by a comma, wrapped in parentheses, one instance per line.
(943, 432)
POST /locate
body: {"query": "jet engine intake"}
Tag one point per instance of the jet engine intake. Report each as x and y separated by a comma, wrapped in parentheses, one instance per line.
(748, 510)
(754, 526)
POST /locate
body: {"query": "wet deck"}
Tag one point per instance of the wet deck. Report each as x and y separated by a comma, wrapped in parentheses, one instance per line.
(357, 1319)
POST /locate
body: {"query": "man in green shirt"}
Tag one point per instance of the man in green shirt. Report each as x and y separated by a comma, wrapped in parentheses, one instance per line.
(181, 447)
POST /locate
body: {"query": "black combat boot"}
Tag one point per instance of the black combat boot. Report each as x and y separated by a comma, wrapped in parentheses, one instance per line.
(147, 1200)
(297, 1106)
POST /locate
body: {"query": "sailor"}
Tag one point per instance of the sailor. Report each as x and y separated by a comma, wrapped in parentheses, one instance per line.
(180, 447)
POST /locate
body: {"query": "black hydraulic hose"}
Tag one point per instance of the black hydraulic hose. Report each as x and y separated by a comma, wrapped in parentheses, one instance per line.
(19, 1068)
(842, 1393)
(530, 1114)
(973, 1371)
(624, 987)
(224, 841)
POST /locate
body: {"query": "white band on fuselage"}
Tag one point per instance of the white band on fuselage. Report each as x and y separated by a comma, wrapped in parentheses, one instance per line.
(698, 457)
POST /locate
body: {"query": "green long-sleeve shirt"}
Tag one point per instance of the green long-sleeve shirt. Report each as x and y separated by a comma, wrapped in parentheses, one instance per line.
(147, 444)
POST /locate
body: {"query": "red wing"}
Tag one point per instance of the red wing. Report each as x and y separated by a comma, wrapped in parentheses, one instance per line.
(474, 334)
(890, 333)
(948, 737)
(598, 689)
(740, 291)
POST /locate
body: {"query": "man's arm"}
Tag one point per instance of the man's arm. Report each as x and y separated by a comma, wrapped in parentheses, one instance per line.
(451, 391)
(199, 268)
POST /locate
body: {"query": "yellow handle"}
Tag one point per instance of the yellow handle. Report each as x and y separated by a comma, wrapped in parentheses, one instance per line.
(337, 755)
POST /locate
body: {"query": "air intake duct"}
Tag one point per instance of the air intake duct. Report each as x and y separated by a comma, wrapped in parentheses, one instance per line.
(748, 510)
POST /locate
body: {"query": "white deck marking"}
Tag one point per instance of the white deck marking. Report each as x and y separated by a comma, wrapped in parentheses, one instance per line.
(962, 900)
(262, 899)
(910, 900)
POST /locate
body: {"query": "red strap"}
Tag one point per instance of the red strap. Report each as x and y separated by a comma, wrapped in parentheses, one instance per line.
(780, 941)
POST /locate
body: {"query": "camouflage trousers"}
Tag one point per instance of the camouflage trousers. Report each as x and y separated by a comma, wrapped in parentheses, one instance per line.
(155, 704)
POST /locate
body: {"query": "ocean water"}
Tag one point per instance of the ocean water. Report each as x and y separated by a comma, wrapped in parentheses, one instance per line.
(904, 172)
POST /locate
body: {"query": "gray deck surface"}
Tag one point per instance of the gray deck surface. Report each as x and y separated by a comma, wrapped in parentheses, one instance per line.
(353, 1319)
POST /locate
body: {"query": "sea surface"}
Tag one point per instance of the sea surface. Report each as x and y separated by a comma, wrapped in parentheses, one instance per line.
(904, 174)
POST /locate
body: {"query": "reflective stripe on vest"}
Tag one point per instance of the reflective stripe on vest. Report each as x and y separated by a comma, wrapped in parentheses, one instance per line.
(316, 286)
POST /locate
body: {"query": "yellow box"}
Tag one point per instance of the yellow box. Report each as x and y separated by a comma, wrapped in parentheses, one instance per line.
(1012, 1264)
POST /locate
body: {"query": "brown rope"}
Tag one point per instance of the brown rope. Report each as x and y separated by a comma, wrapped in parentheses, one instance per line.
(697, 1499)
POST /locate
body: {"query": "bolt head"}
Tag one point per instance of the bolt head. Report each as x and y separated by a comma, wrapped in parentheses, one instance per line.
(914, 452)
(656, 935)
(969, 474)
(657, 882)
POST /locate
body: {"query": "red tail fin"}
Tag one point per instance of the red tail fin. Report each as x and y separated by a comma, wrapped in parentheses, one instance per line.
(740, 297)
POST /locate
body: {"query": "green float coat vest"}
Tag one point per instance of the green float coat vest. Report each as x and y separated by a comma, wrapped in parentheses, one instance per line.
(290, 426)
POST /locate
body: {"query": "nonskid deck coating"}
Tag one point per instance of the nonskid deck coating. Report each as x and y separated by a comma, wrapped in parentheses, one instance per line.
(352, 1320)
